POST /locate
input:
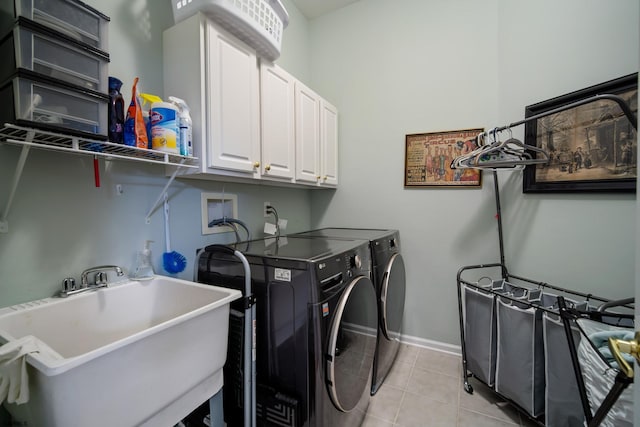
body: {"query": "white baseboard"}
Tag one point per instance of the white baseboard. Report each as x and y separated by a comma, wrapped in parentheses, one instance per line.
(456, 350)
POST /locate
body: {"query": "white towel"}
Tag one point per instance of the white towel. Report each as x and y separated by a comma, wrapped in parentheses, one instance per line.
(14, 381)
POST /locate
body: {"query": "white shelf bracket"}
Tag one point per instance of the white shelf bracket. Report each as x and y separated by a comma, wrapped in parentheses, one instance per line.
(147, 219)
(4, 224)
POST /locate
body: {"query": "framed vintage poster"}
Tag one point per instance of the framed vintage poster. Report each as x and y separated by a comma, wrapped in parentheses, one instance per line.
(592, 147)
(428, 157)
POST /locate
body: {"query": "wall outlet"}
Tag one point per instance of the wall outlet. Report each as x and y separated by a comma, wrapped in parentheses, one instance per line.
(266, 213)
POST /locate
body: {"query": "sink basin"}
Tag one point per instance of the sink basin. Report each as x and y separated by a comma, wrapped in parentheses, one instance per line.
(134, 353)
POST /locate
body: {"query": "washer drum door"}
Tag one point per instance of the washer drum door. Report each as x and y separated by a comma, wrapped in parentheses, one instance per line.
(392, 295)
(351, 345)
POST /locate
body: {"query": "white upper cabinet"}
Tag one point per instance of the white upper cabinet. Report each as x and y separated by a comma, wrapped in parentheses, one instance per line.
(251, 119)
(328, 144)
(277, 120)
(316, 139)
(307, 105)
(234, 111)
(218, 76)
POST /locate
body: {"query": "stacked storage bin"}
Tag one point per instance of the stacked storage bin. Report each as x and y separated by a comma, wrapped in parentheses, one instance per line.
(54, 74)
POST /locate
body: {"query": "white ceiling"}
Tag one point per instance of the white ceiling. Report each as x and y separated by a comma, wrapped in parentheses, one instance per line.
(314, 8)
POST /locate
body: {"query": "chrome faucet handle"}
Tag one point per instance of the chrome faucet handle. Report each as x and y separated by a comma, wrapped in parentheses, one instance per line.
(100, 278)
(69, 284)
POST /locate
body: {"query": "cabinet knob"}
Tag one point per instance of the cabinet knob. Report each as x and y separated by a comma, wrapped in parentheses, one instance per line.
(256, 164)
(325, 178)
(267, 168)
(318, 177)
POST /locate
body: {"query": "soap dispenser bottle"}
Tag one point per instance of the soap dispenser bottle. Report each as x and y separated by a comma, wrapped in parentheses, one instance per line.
(144, 270)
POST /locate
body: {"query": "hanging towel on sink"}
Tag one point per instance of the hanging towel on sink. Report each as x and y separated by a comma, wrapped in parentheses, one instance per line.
(14, 381)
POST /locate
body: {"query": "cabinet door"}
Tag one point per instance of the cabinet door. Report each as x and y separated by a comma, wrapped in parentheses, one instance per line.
(232, 89)
(328, 144)
(307, 134)
(277, 120)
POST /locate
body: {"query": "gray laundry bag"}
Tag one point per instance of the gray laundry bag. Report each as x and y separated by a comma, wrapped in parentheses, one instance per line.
(599, 375)
(520, 355)
(480, 326)
(563, 407)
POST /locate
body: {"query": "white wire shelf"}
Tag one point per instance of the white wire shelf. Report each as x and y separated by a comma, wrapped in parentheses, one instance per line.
(36, 138)
(20, 135)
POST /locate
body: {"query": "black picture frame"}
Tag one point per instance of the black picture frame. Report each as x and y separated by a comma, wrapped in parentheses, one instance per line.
(593, 147)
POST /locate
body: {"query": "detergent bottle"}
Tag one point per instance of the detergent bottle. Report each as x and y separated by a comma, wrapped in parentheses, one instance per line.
(185, 125)
(116, 111)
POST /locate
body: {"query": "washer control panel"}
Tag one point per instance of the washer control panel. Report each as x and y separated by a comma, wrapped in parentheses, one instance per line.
(336, 269)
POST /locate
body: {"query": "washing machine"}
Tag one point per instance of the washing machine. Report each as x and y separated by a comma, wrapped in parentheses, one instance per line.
(388, 275)
(316, 326)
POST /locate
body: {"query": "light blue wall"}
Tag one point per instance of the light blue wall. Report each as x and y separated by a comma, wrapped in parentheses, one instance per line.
(413, 66)
(391, 68)
(60, 223)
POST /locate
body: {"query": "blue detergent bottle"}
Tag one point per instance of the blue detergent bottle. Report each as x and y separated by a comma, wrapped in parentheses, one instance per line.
(116, 111)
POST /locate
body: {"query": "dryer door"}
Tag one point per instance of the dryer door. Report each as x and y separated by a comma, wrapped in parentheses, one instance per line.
(352, 342)
(392, 298)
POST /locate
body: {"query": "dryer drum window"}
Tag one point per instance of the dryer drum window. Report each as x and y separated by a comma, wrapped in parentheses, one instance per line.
(351, 345)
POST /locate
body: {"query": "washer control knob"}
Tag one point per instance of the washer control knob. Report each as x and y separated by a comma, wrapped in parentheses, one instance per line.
(392, 242)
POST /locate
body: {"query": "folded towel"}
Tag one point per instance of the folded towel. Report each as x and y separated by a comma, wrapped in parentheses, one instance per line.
(606, 353)
(14, 381)
(601, 341)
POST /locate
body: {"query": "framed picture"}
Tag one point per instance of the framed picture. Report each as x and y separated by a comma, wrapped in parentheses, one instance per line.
(592, 147)
(428, 156)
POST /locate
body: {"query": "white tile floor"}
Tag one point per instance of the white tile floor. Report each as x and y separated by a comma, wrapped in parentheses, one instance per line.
(424, 388)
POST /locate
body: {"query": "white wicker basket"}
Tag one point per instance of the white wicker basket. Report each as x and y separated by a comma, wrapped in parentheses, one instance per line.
(259, 23)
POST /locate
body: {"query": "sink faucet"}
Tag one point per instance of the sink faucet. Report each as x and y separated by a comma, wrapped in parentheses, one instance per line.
(101, 275)
(100, 280)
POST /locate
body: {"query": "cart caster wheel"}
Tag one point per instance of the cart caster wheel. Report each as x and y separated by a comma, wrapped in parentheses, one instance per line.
(468, 388)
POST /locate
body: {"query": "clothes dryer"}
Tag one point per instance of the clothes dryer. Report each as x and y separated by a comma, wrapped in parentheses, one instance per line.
(316, 323)
(388, 275)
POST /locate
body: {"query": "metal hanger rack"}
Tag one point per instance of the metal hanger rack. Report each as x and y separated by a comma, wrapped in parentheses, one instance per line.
(531, 284)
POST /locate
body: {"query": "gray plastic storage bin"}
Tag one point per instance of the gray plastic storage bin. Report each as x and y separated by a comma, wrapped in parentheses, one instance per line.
(32, 100)
(480, 327)
(33, 47)
(72, 18)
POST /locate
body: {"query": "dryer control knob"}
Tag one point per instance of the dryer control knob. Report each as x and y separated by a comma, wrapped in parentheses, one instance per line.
(355, 261)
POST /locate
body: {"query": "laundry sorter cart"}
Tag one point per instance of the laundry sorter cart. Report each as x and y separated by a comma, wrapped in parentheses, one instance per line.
(514, 338)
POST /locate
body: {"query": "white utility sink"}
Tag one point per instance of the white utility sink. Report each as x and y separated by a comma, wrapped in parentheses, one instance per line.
(134, 353)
